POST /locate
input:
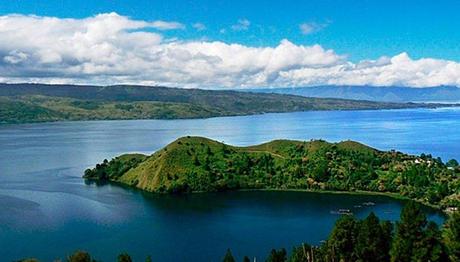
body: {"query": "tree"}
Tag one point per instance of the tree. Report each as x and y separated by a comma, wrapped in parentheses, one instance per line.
(196, 161)
(225, 149)
(431, 247)
(387, 235)
(277, 256)
(246, 259)
(148, 259)
(228, 256)
(207, 163)
(451, 236)
(342, 240)
(320, 170)
(208, 151)
(452, 163)
(124, 257)
(409, 233)
(303, 253)
(79, 256)
(371, 244)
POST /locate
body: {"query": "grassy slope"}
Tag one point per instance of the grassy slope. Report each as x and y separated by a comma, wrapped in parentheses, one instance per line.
(181, 166)
(24, 103)
(46, 109)
(13, 111)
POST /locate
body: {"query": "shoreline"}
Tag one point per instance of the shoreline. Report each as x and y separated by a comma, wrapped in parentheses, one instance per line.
(391, 195)
(395, 196)
(427, 106)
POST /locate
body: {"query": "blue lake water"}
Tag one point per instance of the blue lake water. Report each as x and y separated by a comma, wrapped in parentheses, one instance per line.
(47, 210)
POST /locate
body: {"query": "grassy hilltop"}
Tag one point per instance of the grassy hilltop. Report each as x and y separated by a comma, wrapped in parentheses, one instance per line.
(27, 103)
(197, 164)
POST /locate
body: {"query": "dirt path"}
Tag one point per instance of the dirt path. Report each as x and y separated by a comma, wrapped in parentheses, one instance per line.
(267, 152)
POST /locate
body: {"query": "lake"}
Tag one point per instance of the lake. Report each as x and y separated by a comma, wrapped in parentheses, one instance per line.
(48, 211)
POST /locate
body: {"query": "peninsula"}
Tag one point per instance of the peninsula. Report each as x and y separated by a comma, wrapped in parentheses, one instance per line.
(197, 164)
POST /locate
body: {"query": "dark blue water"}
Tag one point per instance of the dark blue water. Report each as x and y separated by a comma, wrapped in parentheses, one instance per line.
(47, 210)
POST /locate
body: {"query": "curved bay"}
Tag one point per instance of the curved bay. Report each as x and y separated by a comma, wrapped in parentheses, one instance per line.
(50, 211)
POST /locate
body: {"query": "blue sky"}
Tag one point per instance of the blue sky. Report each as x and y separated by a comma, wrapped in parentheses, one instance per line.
(360, 29)
(231, 44)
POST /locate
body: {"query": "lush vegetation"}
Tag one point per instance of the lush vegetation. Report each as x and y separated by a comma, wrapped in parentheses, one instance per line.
(196, 164)
(30, 109)
(413, 238)
(25, 103)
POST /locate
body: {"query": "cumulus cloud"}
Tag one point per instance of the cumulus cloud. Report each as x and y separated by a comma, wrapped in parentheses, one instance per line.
(241, 25)
(112, 49)
(311, 27)
(165, 25)
(15, 57)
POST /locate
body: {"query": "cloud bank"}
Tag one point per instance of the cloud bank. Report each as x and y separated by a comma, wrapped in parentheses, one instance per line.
(110, 48)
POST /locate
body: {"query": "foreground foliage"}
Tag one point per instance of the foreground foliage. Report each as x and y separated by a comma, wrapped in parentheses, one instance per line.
(372, 240)
(413, 238)
(195, 164)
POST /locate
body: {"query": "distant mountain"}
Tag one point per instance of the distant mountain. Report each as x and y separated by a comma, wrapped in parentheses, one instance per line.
(383, 94)
(26, 103)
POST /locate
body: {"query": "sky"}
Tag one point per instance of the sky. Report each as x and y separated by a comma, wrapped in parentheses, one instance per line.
(231, 44)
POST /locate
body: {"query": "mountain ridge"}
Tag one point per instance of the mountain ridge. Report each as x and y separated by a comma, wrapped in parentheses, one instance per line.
(30, 103)
(373, 93)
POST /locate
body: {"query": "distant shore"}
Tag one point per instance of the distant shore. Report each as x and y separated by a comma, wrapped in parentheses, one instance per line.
(38, 103)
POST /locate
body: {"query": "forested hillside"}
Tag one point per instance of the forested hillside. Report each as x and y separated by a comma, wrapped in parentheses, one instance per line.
(27, 103)
(196, 164)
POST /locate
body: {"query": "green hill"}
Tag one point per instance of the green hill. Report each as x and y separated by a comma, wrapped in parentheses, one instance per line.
(197, 164)
(26, 103)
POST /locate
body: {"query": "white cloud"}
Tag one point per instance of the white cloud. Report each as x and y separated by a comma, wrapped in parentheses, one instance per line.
(165, 25)
(113, 49)
(310, 28)
(241, 25)
(199, 26)
(15, 57)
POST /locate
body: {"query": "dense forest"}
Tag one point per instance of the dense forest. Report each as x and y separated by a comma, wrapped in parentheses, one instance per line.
(27, 103)
(196, 164)
(412, 238)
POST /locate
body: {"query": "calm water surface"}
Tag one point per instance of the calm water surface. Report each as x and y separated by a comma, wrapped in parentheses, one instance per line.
(47, 210)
